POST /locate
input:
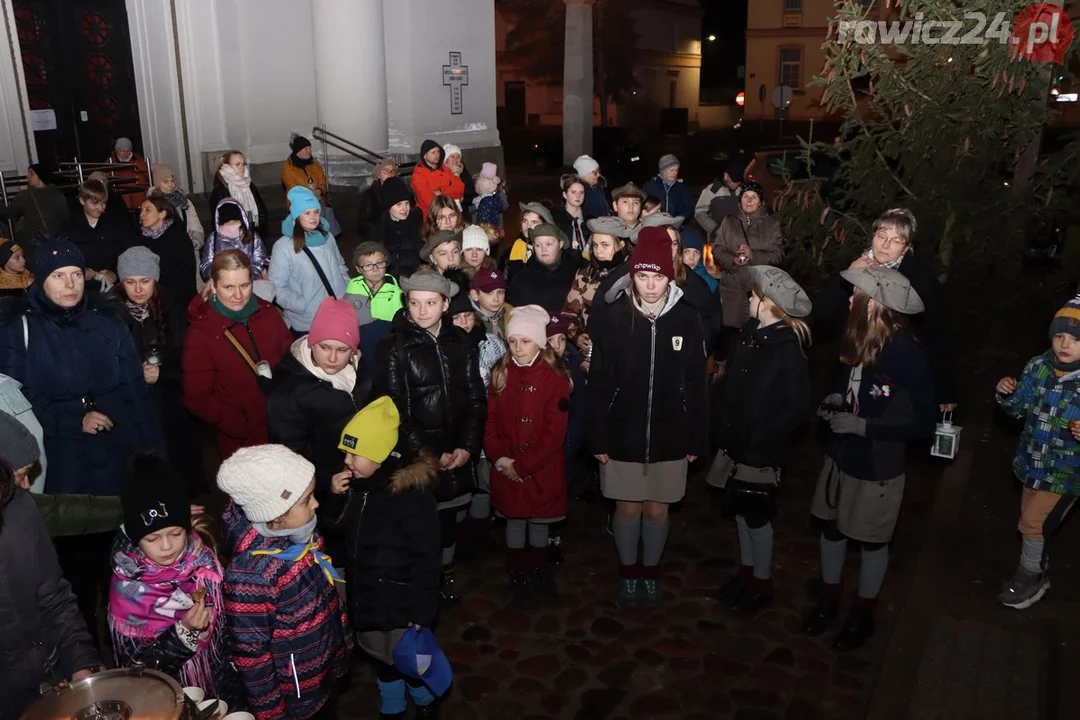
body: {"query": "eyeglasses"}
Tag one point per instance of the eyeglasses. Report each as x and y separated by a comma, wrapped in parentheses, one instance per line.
(447, 216)
(888, 241)
(381, 265)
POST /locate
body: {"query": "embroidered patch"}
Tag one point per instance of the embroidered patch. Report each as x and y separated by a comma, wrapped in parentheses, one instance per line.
(564, 404)
(349, 441)
(676, 343)
(153, 514)
(877, 391)
(286, 494)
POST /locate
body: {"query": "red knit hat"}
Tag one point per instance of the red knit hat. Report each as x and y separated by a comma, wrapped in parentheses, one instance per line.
(335, 320)
(653, 253)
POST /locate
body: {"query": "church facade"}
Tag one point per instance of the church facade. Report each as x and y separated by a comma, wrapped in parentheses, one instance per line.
(188, 79)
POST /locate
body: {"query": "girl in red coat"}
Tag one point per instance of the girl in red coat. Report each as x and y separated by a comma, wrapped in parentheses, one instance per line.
(233, 341)
(528, 406)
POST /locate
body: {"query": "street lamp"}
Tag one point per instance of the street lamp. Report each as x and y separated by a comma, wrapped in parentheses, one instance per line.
(712, 38)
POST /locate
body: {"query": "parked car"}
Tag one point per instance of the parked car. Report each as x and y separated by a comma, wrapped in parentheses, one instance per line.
(613, 148)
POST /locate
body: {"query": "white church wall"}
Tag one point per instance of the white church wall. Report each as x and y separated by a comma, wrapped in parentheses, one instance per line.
(16, 152)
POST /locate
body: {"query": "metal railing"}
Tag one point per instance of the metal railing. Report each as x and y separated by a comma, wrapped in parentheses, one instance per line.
(356, 150)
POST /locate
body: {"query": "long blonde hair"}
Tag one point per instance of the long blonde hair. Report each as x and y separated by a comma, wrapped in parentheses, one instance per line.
(500, 372)
(799, 326)
(868, 332)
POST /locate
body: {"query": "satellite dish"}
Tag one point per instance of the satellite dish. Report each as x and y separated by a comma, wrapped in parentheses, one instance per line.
(781, 96)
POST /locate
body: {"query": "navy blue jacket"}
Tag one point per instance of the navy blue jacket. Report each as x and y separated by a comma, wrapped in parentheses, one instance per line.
(579, 404)
(68, 355)
(675, 200)
(597, 202)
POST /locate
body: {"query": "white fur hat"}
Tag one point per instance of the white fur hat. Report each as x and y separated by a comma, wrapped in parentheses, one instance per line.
(265, 480)
(475, 237)
(450, 149)
(585, 165)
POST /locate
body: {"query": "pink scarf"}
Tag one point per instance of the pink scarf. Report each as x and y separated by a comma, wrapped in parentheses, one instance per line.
(146, 599)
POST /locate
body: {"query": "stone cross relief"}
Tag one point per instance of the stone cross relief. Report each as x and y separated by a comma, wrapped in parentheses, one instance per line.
(455, 75)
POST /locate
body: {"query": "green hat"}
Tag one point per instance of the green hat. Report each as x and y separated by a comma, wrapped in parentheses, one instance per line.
(549, 230)
(437, 239)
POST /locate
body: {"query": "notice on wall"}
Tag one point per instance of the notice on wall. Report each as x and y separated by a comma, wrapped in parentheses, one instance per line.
(43, 120)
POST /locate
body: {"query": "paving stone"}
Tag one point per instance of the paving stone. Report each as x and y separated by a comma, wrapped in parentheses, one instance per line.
(547, 625)
(649, 657)
(509, 655)
(720, 666)
(527, 685)
(571, 679)
(851, 664)
(596, 704)
(717, 705)
(617, 675)
(677, 648)
(802, 709)
(755, 697)
(577, 653)
(509, 620)
(476, 634)
(607, 627)
(850, 682)
(809, 665)
(476, 687)
(487, 649)
(654, 705)
(781, 656)
(756, 714)
(539, 666)
(575, 634)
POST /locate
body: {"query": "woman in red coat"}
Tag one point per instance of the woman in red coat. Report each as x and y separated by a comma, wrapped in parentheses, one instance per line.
(528, 406)
(233, 341)
(431, 177)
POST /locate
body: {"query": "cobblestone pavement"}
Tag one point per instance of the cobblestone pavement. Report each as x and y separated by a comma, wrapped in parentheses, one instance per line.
(589, 659)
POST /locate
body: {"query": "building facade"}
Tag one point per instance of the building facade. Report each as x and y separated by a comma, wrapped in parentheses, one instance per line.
(187, 80)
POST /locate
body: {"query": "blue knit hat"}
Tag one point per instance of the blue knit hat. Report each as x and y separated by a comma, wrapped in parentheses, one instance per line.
(691, 239)
(301, 199)
(53, 254)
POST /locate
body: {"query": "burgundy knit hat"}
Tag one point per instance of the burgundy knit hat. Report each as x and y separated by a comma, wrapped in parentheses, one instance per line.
(557, 325)
(653, 253)
(335, 320)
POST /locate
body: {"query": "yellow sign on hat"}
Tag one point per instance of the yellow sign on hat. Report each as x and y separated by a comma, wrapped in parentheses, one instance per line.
(373, 432)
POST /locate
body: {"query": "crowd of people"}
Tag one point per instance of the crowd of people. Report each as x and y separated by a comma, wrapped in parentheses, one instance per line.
(373, 417)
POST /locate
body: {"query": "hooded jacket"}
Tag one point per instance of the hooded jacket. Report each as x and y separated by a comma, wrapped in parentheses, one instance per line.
(426, 183)
(762, 233)
(290, 634)
(220, 192)
(62, 357)
(765, 397)
(403, 240)
(43, 636)
(597, 199)
(220, 387)
(544, 285)
(255, 250)
(394, 555)
(298, 289)
(435, 384)
(648, 393)
(527, 423)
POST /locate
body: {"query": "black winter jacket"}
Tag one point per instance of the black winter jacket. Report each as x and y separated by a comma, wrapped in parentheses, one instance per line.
(436, 386)
(102, 244)
(896, 397)
(393, 551)
(307, 415)
(765, 397)
(43, 636)
(831, 311)
(178, 266)
(565, 222)
(403, 240)
(539, 284)
(648, 392)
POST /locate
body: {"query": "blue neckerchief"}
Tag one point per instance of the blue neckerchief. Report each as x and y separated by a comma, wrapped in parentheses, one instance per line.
(298, 551)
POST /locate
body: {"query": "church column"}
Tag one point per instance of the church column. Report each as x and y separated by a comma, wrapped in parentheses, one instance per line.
(350, 73)
(578, 80)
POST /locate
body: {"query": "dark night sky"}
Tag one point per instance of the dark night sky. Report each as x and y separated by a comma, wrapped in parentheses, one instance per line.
(721, 59)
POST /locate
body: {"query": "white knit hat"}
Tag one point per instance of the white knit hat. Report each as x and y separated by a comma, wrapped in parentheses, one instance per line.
(451, 149)
(585, 165)
(475, 237)
(265, 480)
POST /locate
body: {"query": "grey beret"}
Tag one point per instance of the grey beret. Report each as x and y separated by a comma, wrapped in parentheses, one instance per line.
(18, 446)
(887, 286)
(782, 289)
(628, 189)
(609, 225)
(429, 281)
(437, 239)
(139, 261)
(668, 161)
(657, 219)
(539, 209)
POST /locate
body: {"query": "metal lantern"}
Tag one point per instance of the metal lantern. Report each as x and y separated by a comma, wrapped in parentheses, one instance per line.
(946, 439)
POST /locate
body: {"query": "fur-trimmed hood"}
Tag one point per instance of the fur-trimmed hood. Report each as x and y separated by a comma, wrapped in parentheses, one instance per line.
(420, 473)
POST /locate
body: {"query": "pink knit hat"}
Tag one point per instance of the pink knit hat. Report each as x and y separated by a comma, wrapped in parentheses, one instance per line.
(529, 321)
(489, 170)
(335, 320)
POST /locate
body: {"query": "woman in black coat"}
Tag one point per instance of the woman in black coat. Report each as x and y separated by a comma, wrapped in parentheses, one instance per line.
(891, 247)
(158, 332)
(43, 638)
(549, 274)
(168, 239)
(429, 367)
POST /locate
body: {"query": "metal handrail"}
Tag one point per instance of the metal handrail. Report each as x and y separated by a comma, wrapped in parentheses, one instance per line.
(355, 150)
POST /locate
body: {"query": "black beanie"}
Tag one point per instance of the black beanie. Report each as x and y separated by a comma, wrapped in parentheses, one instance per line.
(735, 170)
(43, 171)
(7, 249)
(154, 497)
(299, 143)
(229, 211)
(429, 145)
(55, 253)
(394, 190)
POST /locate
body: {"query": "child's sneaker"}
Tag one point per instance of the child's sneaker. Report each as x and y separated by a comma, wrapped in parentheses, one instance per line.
(652, 593)
(629, 594)
(1025, 589)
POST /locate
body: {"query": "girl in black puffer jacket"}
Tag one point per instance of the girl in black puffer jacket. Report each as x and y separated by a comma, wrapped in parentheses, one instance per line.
(430, 369)
(765, 398)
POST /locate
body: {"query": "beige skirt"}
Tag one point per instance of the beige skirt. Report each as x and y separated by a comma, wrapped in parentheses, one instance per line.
(380, 644)
(864, 510)
(663, 482)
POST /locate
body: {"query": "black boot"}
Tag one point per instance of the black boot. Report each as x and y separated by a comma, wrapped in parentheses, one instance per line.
(427, 712)
(448, 589)
(821, 618)
(541, 579)
(554, 550)
(756, 596)
(858, 628)
(519, 587)
(730, 591)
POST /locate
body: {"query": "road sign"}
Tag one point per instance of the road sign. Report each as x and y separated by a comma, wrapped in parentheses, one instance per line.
(781, 96)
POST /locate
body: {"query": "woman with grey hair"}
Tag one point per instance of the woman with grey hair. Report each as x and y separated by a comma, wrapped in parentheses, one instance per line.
(892, 246)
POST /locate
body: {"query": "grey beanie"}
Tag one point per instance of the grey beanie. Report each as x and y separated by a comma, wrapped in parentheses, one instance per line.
(609, 225)
(539, 209)
(18, 446)
(668, 161)
(429, 281)
(887, 286)
(782, 289)
(139, 261)
(122, 143)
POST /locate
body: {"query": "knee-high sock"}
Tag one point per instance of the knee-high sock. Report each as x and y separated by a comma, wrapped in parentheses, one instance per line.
(1031, 555)
(653, 539)
(832, 559)
(746, 544)
(515, 534)
(872, 572)
(480, 508)
(627, 535)
(538, 535)
(762, 538)
(392, 695)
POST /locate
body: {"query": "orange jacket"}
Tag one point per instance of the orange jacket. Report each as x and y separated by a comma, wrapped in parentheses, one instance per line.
(312, 177)
(427, 182)
(142, 179)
